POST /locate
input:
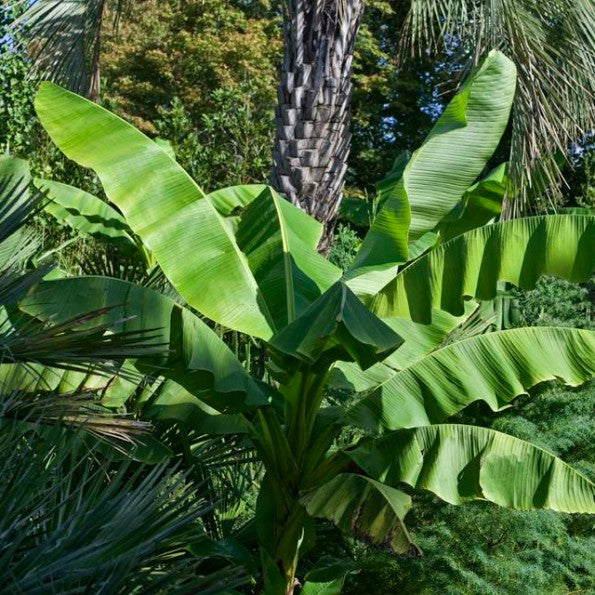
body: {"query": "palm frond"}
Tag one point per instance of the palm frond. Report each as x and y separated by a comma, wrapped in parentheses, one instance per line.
(63, 39)
(70, 522)
(553, 46)
(19, 199)
(80, 412)
(75, 343)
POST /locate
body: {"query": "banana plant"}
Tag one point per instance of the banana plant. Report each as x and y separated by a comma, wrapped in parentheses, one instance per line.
(386, 329)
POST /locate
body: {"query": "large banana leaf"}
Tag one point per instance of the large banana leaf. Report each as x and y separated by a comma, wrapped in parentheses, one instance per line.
(86, 213)
(172, 402)
(227, 200)
(495, 367)
(385, 189)
(278, 240)
(197, 358)
(255, 284)
(164, 401)
(364, 507)
(350, 377)
(336, 326)
(518, 251)
(162, 205)
(334, 587)
(113, 391)
(420, 339)
(440, 171)
(460, 463)
(361, 213)
(230, 201)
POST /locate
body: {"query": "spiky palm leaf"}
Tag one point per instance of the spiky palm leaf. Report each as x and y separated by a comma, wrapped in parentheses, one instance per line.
(74, 516)
(70, 522)
(64, 40)
(83, 342)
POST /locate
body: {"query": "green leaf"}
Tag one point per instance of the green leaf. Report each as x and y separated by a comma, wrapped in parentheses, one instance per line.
(480, 204)
(366, 508)
(166, 146)
(460, 144)
(460, 463)
(255, 284)
(327, 588)
(278, 241)
(362, 212)
(440, 171)
(227, 200)
(15, 178)
(163, 206)
(337, 326)
(86, 213)
(274, 583)
(419, 340)
(174, 403)
(149, 450)
(15, 206)
(112, 390)
(197, 358)
(350, 377)
(387, 187)
(495, 367)
(471, 265)
(327, 569)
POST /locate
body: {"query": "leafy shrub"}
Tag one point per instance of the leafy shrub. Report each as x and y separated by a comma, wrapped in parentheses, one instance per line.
(345, 245)
(231, 144)
(555, 302)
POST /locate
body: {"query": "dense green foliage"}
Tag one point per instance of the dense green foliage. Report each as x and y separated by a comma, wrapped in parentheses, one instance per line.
(17, 119)
(239, 396)
(202, 76)
(247, 260)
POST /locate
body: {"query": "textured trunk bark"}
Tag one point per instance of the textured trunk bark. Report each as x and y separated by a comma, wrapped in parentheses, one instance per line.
(312, 138)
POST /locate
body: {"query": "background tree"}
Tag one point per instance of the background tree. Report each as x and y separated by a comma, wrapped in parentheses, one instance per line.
(203, 77)
(552, 46)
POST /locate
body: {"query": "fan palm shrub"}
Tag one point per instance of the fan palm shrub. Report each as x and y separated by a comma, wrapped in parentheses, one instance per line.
(76, 514)
(398, 330)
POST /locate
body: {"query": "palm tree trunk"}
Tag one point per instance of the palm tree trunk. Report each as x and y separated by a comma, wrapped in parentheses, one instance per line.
(312, 134)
